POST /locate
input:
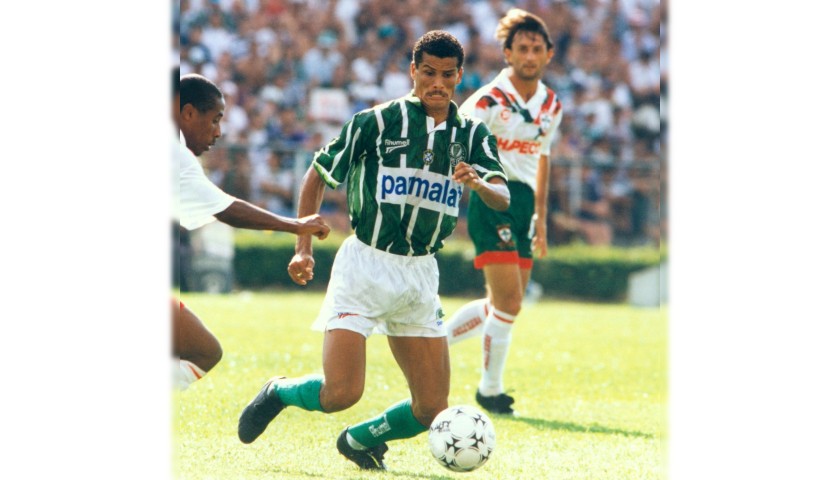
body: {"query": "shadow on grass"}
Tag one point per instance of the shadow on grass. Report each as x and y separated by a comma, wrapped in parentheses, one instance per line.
(366, 475)
(420, 475)
(577, 428)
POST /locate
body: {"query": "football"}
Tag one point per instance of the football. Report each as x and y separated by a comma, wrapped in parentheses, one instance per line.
(462, 438)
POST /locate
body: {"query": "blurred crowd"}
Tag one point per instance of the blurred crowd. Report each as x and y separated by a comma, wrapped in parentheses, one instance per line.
(293, 71)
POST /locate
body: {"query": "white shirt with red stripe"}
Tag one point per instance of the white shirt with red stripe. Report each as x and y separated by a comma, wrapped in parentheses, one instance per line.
(523, 130)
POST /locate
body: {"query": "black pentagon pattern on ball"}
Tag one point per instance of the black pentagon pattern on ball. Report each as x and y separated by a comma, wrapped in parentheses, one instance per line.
(465, 439)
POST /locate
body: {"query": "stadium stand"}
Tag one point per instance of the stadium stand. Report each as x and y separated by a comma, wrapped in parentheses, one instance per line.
(294, 70)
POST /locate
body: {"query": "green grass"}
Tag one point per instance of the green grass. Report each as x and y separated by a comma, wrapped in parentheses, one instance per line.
(590, 384)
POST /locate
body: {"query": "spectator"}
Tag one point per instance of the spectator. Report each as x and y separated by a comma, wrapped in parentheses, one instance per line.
(292, 135)
(320, 62)
(593, 216)
(252, 69)
(395, 82)
(273, 185)
(638, 37)
(216, 35)
(257, 140)
(235, 121)
(237, 181)
(562, 226)
(644, 78)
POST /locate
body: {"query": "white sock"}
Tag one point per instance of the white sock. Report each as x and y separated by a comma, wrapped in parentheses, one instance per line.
(497, 336)
(184, 373)
(466, 322)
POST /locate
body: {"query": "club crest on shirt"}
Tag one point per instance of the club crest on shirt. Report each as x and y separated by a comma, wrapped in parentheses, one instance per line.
(428, 156)
(545, 119)
(457, 153)
(504, 114)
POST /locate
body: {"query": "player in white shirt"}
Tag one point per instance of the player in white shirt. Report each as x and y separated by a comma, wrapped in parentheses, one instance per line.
(197, 109)
(524, 115)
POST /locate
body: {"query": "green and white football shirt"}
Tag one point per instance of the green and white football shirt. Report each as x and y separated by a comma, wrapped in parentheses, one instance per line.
(398, 166)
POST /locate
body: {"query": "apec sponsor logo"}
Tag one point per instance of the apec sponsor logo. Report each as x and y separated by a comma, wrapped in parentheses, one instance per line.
(419, 187)
(523, 147)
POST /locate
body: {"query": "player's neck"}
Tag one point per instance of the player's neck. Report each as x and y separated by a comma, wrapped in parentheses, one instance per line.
(525, 88)
(439, 115)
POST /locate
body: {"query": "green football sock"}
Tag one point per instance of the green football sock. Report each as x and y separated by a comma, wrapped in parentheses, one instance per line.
(303, 392)
(397, 422)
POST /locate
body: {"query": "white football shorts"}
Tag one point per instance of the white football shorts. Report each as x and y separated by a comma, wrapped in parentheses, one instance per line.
(372, 291)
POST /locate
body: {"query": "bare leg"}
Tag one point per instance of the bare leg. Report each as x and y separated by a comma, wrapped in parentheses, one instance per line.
(192, 341)
(344, 369)
(425, 364)
(506, 283)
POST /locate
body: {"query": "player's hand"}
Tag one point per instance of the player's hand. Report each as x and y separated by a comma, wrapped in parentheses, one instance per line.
(313, 225)
(466, 175)
(301, 268)
(539, 244)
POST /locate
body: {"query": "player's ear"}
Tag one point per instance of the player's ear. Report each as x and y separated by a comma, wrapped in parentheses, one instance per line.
(460, 75)
(188, 111)
(412, 70)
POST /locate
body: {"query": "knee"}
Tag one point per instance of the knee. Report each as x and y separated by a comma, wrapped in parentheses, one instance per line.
(208, 357)
(510, 303)
(338, 397)
(215, 355)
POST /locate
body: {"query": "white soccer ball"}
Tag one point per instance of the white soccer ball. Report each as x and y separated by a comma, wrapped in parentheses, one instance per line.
(462, 438)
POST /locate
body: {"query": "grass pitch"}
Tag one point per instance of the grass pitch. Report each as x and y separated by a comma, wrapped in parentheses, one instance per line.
(590, 383)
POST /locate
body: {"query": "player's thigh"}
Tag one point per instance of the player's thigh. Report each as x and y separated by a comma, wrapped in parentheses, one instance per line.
(524, 278)
(425, 364)
(505, 282)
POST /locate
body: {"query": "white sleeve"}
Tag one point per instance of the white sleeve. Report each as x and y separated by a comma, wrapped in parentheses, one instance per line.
(470, 106)
(199, 198)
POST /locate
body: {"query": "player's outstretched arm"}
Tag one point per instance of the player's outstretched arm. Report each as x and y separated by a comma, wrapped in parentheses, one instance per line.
(302, 266)
(242, 214)
(493, 192)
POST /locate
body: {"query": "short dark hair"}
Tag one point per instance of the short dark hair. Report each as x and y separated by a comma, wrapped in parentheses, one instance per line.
(518, 20)
(198, 91)
(440, 44)
(176, 81)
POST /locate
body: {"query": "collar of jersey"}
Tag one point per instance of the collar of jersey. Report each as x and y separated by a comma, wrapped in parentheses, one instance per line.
(454, 117)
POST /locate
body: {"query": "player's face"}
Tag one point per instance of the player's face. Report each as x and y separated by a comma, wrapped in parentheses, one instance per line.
(528, 55)
(435, 80)
(201, 129)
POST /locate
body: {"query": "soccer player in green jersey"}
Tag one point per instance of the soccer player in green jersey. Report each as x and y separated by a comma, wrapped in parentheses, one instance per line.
(405, 163)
